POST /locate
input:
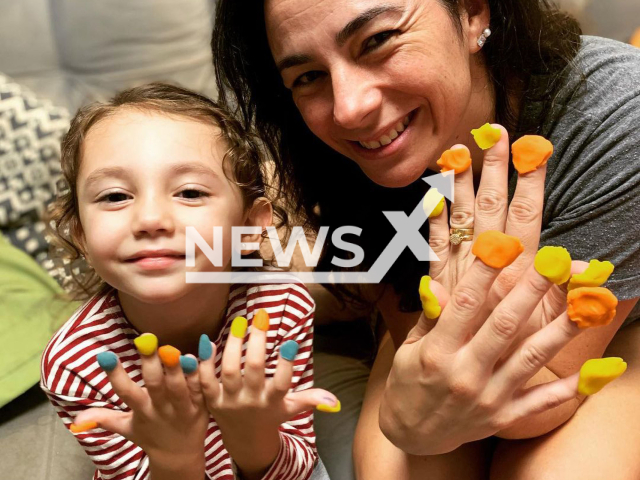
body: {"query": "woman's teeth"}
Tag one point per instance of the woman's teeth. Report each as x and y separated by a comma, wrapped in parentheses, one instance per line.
(388, 137)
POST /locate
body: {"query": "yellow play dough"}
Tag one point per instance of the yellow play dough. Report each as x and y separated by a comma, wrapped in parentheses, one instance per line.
(239, 327)
(429, 199)
(147, 343)
(430, 304)
(553, 263)
(486, 136)
(595, 275)
(597, 372)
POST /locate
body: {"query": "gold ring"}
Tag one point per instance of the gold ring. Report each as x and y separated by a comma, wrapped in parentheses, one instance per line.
(459, 235)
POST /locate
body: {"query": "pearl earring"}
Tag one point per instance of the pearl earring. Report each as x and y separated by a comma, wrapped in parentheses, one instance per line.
(486, 33)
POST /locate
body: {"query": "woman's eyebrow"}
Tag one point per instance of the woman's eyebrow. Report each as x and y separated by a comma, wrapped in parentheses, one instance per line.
(343, 35)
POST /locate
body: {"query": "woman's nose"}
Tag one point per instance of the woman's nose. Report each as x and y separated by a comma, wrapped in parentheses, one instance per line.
(152, 217)
(354, 98)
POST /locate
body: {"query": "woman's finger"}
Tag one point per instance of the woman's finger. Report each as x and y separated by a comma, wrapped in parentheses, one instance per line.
(505, 322)
(492, 196)
(152, 372)
(128, 391)
(256, 348)
(230, 375)
(207, 371)
(433, 292)
(438, 229)
(281, 382)
(463, 206)
(114, 421)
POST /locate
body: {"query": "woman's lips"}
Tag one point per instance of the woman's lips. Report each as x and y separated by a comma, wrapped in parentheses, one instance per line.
(391, 148)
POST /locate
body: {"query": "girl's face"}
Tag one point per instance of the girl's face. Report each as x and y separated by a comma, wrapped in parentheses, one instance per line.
(144, 177)
(390, 84)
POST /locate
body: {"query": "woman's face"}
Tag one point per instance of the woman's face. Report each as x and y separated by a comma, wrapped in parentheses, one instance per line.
(390, 84)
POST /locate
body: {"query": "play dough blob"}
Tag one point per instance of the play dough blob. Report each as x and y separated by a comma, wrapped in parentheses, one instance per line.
(261, 320)
(486, 136)
(239, 327)
(591, 306)
(430, 305)
(147, 343)
(328, 408)
(458, 160)
(553, 263)
(429, 199)
(530, 152)
(497, 249)
(597, 372)
(83, 427)
(595, 275)
(169, 356)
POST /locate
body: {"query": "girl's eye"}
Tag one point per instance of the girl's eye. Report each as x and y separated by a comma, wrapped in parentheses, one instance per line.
(307, 78)
(377, 40)
(192, 194)
(114, 197)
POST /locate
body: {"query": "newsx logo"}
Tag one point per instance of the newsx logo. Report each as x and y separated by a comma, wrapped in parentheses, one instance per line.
(407, 235)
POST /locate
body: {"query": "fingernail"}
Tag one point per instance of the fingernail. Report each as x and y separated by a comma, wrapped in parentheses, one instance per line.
(595, 275)
(83, 427)
(205, 350)
(107, 360)
(497, 249)
(554, 263)
(147, 343)
(239, 327)
(169, 356)
(323, 407)
(591, 306)
(188, 364)
(431, 197)
(597, 372)
(486, 136)
(430, 304)
(530, 153)
(261, 320)
(289, 350)
(458, 160)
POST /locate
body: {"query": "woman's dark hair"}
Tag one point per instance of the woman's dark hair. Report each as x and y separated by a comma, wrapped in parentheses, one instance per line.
(531, 38)
(243, 163)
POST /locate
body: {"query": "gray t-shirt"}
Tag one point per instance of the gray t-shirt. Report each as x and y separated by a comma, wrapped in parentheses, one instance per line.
(592, 204)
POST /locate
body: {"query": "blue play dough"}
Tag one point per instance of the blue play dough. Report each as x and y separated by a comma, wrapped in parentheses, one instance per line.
(188, 364)
(107, 360)
(204, 347)
(289, 350)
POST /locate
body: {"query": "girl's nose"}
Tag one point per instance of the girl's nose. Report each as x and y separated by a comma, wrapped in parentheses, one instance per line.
(152, 217)
(354, 98)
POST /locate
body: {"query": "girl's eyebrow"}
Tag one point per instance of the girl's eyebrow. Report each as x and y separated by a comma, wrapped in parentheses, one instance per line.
(175, 170)
(183, 168)
(343, 35)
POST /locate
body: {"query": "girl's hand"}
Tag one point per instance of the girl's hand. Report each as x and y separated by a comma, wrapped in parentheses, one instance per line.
(167, 417)
(248, 407)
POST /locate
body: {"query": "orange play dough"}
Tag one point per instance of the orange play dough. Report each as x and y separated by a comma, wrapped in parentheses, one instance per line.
(169, 356)
(635, 38)
(530, 152)
(591, 306)
(497, 249)
(458, 160)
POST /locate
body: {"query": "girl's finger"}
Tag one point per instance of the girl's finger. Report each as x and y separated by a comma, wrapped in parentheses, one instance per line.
(322, 400)
(281, 382)
(152, 372)
(114, 421)
(492, 196)
(207, 371)
(175, 384)
(256, 348)
(230, 375)
(189, 365)
(438, 229)
(128, 391)
(503, 325)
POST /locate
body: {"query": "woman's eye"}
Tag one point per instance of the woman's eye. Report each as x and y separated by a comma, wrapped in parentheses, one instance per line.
(114, 197)
(191, 194)
(376, 40)
(307, 78)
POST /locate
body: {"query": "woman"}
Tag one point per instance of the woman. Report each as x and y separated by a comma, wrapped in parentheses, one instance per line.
(390, 86)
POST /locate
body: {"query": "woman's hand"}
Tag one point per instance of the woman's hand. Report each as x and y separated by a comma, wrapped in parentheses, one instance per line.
(167, 417)
(250, 408)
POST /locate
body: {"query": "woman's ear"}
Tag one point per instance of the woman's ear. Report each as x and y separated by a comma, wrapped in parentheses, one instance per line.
(260, 214)
(476, 18)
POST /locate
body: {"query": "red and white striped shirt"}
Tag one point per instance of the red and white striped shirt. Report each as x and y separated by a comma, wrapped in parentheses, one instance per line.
(73, 380)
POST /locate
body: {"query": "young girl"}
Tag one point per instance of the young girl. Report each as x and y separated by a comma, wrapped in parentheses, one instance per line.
(142, 168)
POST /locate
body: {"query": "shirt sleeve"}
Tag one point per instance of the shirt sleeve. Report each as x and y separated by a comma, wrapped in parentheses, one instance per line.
(298, 454)
(115, 457)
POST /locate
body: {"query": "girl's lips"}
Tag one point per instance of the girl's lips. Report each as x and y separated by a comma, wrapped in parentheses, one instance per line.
(156, 263)
(386, 150)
